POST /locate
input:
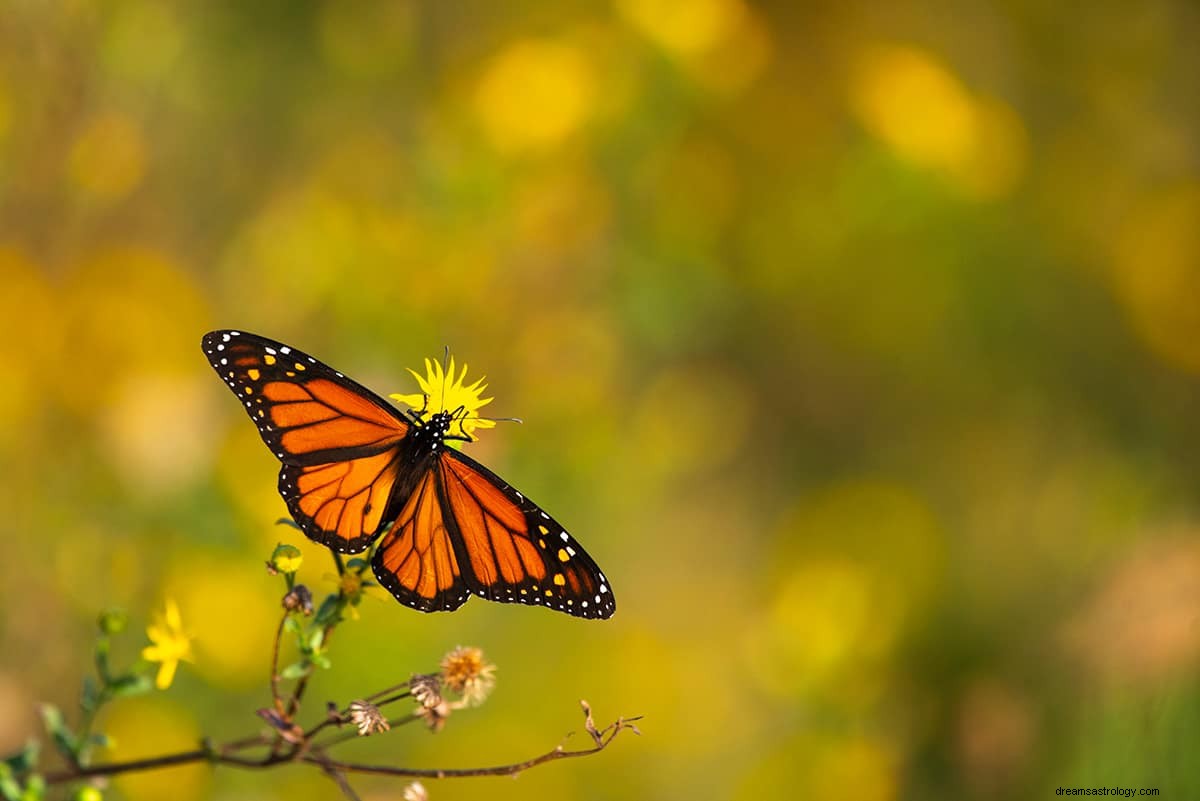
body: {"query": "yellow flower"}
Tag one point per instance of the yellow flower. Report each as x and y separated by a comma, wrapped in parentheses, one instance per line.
(286, 558)
(443, 391)
(170, 645)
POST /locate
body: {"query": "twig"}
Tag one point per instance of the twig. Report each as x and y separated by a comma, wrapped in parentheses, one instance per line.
(339, 778)
(605, 737)
(275, 699)
(222, 756)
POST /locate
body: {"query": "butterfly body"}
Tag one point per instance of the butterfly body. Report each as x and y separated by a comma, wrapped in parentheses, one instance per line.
(355, 470)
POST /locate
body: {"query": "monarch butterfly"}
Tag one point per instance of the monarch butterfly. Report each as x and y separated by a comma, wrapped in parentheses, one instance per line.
(355, 467)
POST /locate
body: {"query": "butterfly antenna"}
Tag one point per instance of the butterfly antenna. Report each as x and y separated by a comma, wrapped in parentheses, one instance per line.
(445, 375)
(503, 419)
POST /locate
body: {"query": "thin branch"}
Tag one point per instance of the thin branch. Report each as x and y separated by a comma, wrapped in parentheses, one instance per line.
(339, 779)
(222, 756)
(275, 699)
(345, 736)
(602, 739)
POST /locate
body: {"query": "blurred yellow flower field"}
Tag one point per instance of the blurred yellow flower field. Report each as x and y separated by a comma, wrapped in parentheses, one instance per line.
(859, 342)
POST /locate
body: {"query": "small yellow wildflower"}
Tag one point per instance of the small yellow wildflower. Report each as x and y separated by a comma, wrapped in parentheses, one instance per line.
(443, 391)
(170, 645)
(286, 558)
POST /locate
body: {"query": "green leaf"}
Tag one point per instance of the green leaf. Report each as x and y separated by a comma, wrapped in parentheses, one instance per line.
(35, 789)
(56, 726)
(321, 661)
(330, 611)
(287, 521)
(357, 564)
(9, 789)
(292, 626)
(295, 670)
(101, 658)
(89, 696)
(24, 760)
(129, 685)
(316, 640)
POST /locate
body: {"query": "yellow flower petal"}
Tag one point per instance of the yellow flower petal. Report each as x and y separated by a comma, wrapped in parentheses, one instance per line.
(166, 674)
(444, 389)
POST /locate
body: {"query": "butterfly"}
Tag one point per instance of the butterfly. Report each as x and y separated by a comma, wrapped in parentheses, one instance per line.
(355, 468)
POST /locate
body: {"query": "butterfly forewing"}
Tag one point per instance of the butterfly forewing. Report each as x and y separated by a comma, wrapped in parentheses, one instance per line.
(337, 440)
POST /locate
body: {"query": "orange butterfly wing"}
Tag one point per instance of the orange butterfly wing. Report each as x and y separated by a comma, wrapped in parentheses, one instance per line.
(417, 560)
(338, 441)
(466, 530)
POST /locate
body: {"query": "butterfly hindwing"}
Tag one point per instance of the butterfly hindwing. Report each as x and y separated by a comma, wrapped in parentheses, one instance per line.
(338, 441)
(416, 560)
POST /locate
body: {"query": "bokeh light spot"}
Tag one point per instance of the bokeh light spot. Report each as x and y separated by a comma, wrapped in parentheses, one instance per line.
(214, 591)
(683, 27)
(151, 726)
(152, 451)
(534, 94)
(913, 103)
(1156, 274)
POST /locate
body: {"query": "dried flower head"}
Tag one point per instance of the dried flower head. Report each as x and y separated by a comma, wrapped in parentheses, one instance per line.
(443, 391)
(426, 689)
(367, 718)
(299, 598)
(415, 792)
(465, 672)
(434, 716)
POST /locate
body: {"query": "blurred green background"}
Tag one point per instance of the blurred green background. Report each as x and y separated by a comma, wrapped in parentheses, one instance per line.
(858, 343)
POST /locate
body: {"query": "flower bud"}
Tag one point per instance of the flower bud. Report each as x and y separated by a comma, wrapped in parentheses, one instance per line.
(286, 558)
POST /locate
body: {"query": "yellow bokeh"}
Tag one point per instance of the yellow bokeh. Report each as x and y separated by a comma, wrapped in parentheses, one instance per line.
(858, 563)
(128, 310)
(145, 442)
(1156, 272)
(535, 94)
(684, 27)
(826, 765)
(912, 102)
(29, 361)
(916, 105)
(999, 153)
(108, 158)
(231, 607)
(151, 726)
(721, 43)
